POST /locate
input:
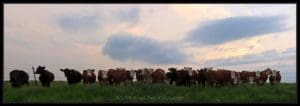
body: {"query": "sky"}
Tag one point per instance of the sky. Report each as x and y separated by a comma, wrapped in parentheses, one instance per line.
(238, 37)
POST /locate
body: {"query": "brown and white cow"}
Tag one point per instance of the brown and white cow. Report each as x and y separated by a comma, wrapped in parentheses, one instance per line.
(275, 77)
(144, 75)
(262, 79)
(192, 75)
(88, 76)
(249, 77)
(102, 77)
(158, 76)
(131, 76)
(222, 77)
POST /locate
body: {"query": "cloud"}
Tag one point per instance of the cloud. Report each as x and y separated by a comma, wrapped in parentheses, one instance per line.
(129, 14)
(267, 56)
(234, 28)
(124, 47)
(74, 23)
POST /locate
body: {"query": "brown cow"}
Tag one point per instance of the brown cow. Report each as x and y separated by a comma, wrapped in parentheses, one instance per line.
(102, 77)
(221, 76)
(120, 75)
(275, 77)
(249, 77)
(158, 76)
(88, 76)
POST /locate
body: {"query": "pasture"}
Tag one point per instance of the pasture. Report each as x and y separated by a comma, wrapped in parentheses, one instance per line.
(61, 92)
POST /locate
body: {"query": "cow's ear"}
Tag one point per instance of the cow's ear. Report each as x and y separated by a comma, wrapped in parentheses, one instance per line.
(44, 67)
(62, 70)
(93, 70)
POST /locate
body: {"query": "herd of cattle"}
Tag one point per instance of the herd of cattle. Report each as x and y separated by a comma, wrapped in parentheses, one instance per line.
(187, 76)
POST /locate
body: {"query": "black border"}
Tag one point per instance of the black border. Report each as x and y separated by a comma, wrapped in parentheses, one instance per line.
(142, 2)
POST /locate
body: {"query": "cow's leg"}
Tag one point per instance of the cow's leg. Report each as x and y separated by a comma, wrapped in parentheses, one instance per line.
(48, 84)
(27, 82)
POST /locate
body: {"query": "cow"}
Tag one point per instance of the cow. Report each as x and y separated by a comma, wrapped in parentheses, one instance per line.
(221, 77)
(171, 75)
(73, 76)
(130, 76)
(46, 77)
(88, 76)
(275, 77)
(120, 75)
(158, 76)
(202, 76)
(181, 77)
(249, 77)
(18, 78)
(102, 77)
(192, 75)
(144, 75)
(262, 78)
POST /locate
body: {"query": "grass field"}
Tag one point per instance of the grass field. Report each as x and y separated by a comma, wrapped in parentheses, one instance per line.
(60, 92)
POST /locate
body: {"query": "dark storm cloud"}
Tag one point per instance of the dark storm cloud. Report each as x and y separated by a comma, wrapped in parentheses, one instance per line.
(234, 28)
(124, 46)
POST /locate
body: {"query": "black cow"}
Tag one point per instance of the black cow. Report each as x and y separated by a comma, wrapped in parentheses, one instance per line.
(18, 78)
(46, 77)
(181, 77)
(72, 75)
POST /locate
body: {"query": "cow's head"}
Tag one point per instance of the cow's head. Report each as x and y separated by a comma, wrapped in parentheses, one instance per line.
(40, 69)
(133, 75)
(89, 71)
(273, 73)
(257, 75)
(104, 73)
(66, 71)
(268, 71)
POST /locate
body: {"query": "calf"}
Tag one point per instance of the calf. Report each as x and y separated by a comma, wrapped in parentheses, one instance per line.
(46, 77)
(89, 76)
(73, 76)
(18, 78)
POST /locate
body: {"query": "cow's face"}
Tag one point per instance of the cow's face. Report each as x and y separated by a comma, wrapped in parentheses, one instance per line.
(66, 71)
(257, 75)
(89, 72)
(234, 77)
(104, 73)
(273, 73)
(133, 75)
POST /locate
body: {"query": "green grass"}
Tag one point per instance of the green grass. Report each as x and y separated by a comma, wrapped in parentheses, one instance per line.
(61, 92)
